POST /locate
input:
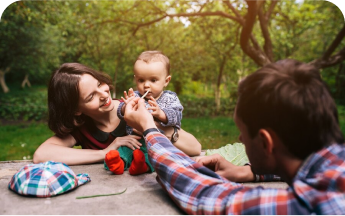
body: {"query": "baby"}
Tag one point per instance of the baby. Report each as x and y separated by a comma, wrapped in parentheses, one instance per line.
(152, 75)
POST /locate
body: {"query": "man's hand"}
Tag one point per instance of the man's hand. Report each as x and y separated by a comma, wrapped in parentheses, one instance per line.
(137, 116)
(226, 169)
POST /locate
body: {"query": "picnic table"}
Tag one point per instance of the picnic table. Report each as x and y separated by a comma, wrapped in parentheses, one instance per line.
(144, 195)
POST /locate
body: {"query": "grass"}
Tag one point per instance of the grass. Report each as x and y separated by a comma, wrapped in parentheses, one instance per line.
(20, 141)
(212, 133)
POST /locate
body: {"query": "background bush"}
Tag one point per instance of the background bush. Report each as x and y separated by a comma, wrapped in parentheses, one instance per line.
(31, 104)
(24, 104)
(205, 106)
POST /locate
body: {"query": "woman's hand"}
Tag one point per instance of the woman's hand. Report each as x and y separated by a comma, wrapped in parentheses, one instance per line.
(131, 141)
(226, 169)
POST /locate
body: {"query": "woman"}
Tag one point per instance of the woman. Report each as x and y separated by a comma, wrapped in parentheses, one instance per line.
(81, 112)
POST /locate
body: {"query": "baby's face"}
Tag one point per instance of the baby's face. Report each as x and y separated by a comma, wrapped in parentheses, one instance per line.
(150, 77)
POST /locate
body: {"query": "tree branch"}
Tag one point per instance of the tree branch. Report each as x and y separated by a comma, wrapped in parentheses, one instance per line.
(327, 60)
(227, 3)
(334, 44)
(270, 9)
(257, 55)
(264, 29)
(331, 61)
(206, 13)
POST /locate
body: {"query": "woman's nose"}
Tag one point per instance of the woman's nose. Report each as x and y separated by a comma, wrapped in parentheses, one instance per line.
(104, 94)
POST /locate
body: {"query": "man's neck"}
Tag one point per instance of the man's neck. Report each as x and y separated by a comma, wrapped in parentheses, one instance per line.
(289, 167)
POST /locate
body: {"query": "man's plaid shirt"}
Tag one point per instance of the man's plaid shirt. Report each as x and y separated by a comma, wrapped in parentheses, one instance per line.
(318, 187)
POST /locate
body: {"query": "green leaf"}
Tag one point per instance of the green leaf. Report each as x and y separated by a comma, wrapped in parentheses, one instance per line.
(98, 195)
(235, 153)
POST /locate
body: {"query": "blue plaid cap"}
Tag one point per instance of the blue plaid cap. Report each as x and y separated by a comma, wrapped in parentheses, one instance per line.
(46, 179)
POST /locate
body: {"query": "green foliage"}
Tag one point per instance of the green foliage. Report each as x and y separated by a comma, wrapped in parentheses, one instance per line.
(38, 36)
(341, 114)
(24, 104)
(26, 46)
(195, 106)
(235, 153)
(31, 104)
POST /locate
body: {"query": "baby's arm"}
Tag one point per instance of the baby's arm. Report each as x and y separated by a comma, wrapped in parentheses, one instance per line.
(128, 97)
(168, 111)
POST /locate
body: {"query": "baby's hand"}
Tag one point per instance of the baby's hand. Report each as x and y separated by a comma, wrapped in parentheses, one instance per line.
(156, 111)
(129, 96)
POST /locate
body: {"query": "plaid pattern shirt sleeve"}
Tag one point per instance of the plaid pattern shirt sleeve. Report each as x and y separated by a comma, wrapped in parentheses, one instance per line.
(198, 190)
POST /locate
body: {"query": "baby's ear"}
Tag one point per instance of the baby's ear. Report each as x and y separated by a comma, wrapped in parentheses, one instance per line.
(167, 80)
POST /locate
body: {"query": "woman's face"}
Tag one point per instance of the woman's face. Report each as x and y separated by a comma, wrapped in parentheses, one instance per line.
(94, 97)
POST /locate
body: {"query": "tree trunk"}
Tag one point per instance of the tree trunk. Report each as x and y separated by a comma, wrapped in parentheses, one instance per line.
(219, 80)
(4, 87)
(26, 81)
(340, 84)
(117, 67)
(115, 79)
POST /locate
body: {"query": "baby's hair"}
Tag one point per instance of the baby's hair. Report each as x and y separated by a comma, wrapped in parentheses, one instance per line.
(155, 56)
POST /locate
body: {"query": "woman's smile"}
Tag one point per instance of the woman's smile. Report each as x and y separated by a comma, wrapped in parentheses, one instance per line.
(107, 103)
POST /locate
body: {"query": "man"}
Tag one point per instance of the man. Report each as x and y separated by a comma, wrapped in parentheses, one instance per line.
(289, 126)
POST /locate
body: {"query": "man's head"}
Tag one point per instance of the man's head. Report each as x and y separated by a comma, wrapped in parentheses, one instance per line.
(152, 73)
(289, 98)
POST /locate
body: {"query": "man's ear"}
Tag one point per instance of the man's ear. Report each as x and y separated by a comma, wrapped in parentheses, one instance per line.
(167, 80)
(267, 140)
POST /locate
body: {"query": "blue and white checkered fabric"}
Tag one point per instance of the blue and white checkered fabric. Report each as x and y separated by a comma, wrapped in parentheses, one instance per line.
(46, 179)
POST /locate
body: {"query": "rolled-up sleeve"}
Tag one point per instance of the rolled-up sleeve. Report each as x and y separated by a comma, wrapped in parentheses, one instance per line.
(198, 190)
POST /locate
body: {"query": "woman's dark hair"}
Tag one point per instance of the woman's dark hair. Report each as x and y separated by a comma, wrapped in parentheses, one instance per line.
(290, 98)
(63, 96)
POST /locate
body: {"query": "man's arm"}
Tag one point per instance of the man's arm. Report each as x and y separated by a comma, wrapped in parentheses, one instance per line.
(195, 188)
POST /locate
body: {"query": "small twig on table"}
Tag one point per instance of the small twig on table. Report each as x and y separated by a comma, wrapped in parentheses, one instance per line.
(84, 197)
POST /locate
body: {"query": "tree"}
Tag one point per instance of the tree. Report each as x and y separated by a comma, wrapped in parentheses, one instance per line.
(25, 46)
(246, 15)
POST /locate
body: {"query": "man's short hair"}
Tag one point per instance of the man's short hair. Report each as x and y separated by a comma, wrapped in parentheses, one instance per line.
(155, 56)
(290, 98)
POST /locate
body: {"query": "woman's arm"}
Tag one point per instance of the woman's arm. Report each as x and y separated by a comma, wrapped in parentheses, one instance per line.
(186, 141)
(61, 150)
